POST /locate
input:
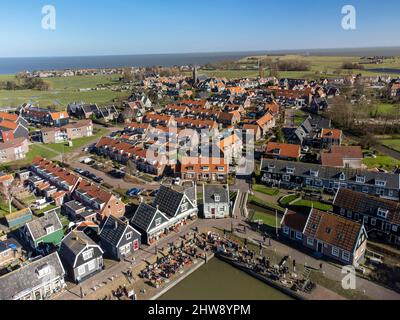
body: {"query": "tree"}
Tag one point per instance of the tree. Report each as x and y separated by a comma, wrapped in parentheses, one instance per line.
(10, 191)
(127, 75)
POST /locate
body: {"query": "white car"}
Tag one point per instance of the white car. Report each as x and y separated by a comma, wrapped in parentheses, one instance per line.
(177, 181)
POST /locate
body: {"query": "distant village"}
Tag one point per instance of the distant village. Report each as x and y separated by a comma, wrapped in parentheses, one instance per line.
(177, 165)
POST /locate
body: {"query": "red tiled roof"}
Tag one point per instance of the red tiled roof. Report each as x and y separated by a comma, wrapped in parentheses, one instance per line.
(196, 123)
(59, 172)
(8, 124)
(331, 134)
(265, 119)
(198, 165)
(348, 152)
(94, 191)
(59, 115)
(284, 150)
(333, 229)
(252, 127)
(79, 124)
(8, 116)
(157, 117)
(332, 160)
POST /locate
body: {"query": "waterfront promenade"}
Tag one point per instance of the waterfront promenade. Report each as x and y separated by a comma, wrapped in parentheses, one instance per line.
(114, 275)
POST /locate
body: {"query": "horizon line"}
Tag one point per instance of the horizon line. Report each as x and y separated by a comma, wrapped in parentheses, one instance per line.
(281, 51)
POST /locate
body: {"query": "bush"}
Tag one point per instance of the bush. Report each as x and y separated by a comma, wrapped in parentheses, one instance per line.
(352, 66)
(294, 65)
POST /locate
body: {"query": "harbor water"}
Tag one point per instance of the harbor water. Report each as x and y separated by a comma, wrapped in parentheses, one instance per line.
(218, 280)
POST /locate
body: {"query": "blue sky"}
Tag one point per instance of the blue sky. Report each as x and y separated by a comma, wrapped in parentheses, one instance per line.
(102, 27)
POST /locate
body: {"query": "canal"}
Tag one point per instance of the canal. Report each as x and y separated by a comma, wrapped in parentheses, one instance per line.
(218, 280)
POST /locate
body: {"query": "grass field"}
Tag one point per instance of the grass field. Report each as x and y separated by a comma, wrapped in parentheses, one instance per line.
(265, 190)
(5, 209)
(266, 218)
(313, 204)
(63, 91)
(392, 144)
(382, 162)
(329, 66)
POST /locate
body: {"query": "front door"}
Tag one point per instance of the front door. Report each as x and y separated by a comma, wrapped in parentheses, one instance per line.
(213, 211)
(320, 247)
(292, 235)
(136, 245)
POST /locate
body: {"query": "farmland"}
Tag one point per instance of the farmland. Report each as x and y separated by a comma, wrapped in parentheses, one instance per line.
(63, 91)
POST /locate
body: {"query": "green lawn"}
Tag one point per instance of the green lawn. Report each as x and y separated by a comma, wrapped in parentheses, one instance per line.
(392, 144)
(266, 218)
(265, 190)
(313, 204)
(77, 143)
(4, 208)
(63, 91)
(299, 117)
(288, 199)
(262, 204)
(382, 162)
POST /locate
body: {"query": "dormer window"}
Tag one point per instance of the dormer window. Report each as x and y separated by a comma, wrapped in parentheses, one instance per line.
(43, 271)
(314, 173)
(49, 229)
(360, 179)
(342, 177)
(290, 170)
(276, 151)
(217, 198)
(206, 169)
(88, 254)
(271, 168)
(380, 183)
(382, 213)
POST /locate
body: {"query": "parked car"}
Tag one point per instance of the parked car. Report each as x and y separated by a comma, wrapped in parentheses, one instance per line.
(80, 171)
(116, 174)
(98, 180)
(176, 181)
(134, 192)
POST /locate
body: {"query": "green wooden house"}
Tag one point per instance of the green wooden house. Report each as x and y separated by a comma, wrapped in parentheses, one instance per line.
(47, 229)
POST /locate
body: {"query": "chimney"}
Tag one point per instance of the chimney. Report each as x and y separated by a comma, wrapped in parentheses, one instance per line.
(115, 224)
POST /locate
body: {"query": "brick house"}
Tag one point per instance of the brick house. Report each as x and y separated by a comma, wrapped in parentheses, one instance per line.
(99, 200)
(335, 237)
(286, 174)
(13, 150)
(378, 215)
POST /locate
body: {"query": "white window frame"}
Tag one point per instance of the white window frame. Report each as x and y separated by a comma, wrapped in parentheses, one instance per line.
(382, 213)
(395, 228)
(299, 236)
(81, 270)
(91, 265)
(310, 242)
(185, 207)
(129, 235)
(335, 252)
(373, 222)
(88, 254)
(286, 230)
(158, 222)
(346, 256)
